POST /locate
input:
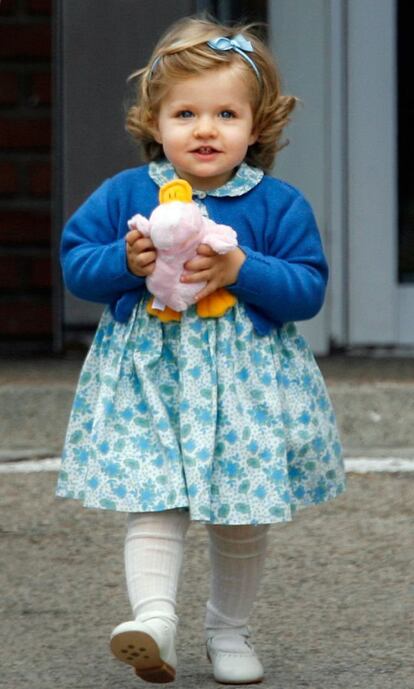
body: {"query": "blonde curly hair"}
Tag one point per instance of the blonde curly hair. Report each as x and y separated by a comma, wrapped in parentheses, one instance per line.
(183, 52)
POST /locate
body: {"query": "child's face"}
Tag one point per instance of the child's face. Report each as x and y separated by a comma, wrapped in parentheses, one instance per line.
(205, 125)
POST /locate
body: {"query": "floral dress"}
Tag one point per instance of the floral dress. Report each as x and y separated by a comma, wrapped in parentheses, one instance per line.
(201, 414)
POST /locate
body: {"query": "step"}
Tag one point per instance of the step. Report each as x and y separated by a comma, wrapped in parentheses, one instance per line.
(373, 411)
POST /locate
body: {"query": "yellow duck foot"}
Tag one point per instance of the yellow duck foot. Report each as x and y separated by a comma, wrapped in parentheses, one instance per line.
(166, 315)
(216, 304)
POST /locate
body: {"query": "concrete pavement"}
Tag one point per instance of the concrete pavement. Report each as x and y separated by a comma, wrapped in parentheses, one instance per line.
(336, 607)
(335, 610)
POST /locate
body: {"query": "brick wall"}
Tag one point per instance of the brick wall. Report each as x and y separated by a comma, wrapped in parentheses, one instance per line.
(25, 172)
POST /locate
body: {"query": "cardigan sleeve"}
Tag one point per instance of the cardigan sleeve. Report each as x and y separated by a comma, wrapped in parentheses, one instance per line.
(288, 282)
(93, 256)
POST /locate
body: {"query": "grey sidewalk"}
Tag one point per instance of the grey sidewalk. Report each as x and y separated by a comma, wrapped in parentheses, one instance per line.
(335, 610)
(336, 607)
(373, 399)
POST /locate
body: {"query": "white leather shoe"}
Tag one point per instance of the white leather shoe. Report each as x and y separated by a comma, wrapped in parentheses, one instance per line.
(148, 644)
(233, 658)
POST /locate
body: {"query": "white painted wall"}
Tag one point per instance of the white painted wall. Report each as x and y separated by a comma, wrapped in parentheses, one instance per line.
(300, 42)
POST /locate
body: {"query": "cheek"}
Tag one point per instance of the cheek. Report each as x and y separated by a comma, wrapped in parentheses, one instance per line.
(246, 139)
(159, 128)
(169, 138)
(170, 150)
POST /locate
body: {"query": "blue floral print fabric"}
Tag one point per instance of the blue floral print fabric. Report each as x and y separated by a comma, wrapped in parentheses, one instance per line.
(245, 178)
(203, 414)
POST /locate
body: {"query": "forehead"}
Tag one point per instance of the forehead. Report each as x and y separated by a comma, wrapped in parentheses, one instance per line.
(224, 84)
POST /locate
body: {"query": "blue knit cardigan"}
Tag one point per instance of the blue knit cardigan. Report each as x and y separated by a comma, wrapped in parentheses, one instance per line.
(282, 279)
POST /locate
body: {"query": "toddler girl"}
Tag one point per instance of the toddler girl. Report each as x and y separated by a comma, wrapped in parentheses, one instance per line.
(220, 420)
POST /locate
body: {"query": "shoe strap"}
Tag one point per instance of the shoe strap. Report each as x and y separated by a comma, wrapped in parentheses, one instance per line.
(231, 643)
(158, 615)
(226, 632)
(234, 640)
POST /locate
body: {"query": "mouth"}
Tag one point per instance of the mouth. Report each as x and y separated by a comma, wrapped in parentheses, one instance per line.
(205, 150)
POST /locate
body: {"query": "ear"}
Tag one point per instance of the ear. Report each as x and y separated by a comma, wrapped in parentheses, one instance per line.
(155, 131)
(253, 137)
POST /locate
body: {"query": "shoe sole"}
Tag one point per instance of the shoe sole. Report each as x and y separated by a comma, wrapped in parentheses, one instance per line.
(142, 652)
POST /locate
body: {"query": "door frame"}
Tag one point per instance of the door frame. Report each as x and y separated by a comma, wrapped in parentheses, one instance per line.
(339, 57)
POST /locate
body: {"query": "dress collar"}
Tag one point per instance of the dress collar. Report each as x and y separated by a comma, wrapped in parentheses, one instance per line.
(245, 179)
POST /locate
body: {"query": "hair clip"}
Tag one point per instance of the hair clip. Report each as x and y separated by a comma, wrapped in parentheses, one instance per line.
(239, 44)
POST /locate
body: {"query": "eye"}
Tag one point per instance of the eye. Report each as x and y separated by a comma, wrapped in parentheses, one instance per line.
(227, 114)
(185, 114)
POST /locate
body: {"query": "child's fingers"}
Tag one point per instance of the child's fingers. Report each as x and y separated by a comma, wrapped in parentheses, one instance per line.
(144, 244)
(146, 257)
(138, 242)
(204, 259)
(198, 263)
(144, 271)
(216, 270)
(205, 250)
(141, 264)
(199, 276)
(206, 291)
(141, 257)
(132, 236)
(141, 244)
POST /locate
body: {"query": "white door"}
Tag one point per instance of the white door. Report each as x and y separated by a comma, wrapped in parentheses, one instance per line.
(380, 307)
(340, 58)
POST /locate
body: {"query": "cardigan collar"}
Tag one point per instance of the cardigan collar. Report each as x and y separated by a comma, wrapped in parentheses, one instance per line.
(243, 181)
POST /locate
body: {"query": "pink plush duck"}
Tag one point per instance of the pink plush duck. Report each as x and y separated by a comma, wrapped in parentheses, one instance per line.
(176, 228)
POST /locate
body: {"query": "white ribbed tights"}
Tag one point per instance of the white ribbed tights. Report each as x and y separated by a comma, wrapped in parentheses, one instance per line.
(154, 549)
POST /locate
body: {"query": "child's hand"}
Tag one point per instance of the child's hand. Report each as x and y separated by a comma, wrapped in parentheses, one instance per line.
(141, 254)
(218, 270)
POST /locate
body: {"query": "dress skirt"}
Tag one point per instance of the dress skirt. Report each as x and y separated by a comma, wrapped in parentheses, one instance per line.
(202, 414)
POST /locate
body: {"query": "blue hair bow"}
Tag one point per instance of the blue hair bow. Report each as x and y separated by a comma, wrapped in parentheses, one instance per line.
(239, 44)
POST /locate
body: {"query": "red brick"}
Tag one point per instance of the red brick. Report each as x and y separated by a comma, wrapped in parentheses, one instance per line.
(24, 227)
(9, 88)
(8, 179)
(41, 89)
(40, 179)
(27, 133)
(40, 6)
(20, 40)
(11, 272)
(8, 7)
(25, 317)
(28, 272)
(41, 272)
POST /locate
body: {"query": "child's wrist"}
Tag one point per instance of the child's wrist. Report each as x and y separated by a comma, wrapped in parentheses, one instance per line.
(238, 257)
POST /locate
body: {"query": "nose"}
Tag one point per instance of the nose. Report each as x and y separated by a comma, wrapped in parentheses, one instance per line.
(205, 127)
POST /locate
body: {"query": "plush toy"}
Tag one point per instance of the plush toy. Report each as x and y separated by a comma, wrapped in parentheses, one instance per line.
(176, 228)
